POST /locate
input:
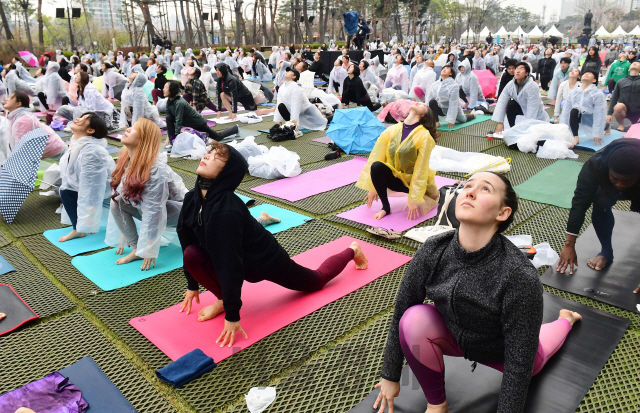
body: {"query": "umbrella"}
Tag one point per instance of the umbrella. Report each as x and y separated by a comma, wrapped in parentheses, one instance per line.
(355, 130)
(97, 82)
(169, 74)
(29, 58)
(18, 174)
(487, 82)
(147, 88)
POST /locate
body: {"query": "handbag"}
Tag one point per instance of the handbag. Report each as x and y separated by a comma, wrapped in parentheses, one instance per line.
(448, 194)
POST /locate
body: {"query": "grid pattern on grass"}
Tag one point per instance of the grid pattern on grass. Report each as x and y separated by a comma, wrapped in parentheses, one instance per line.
(302, 146)
(32, 285)
(479, 129)
(32, 353)
(36, 215)
(270, 355)
(466, 143)
(4, 240)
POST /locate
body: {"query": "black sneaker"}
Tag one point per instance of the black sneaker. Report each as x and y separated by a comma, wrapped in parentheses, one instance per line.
(332, 155)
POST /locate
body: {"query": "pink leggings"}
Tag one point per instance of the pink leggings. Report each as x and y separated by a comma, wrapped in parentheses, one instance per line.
(425, 338)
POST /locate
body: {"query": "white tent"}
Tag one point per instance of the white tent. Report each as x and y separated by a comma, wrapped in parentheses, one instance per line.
(619, 31)
(517, 32)
(602, 32)
(535, 33)
(485, 32)
(502, 32)
(553, 31)
(635, 31)
(466, 35)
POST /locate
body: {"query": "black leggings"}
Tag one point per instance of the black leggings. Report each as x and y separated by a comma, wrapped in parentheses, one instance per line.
(200, 125)
(574, 121)
(240, 73)
(513, 110)
(65, 100)
(435, 108)
(366, 101)
(390, 119)
(284, 112)
(463, 96)
(611, 84)
(383, 179)
(544, 82)
(336, 86)
(43, 100)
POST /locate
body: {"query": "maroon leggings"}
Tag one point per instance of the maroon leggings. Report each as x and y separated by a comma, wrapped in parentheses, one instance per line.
(156, 93)
(189, 98)
(291, 275)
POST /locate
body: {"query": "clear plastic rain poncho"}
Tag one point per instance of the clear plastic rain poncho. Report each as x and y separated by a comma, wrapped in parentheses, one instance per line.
(592, 105)
(24, 74)
(307, 115)
(263, 72)
(208, 81)
(424, 79)
(111, 79)
(177, 67)
(137, 100)
(338, 74)
(414, 70)
(279, 80)
(408, 160)
(212, 59)
(368, 76)
(478, 62)
(86, 170)
(13, 82)
(469, 83)
(178, 53)
(161, 199)
(231, 62)
(398, 76)
(275, 57)
(188, 53)
(528, 99)
(446, 93)
(54, 86)
(151, 71)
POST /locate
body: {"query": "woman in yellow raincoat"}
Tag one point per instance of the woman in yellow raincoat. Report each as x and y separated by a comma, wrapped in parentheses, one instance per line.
(400, 162)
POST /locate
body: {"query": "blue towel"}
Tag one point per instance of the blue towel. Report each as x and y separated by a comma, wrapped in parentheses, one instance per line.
(188, 367)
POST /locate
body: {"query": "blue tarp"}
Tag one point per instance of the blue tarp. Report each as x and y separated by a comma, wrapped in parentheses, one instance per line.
(355, 130)
(351, 21)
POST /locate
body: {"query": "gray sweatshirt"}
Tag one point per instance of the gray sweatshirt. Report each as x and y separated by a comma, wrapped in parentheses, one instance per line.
(491, 301)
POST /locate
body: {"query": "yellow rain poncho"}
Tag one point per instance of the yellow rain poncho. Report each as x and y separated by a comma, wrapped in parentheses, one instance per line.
(408, 160)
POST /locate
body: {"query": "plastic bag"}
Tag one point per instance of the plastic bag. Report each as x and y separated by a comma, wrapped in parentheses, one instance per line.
(248, 147)
(259, 398)
(391, 95)
(556, 150)
(545, 255)
(449, 160)
(528, 133)
(277, 163)
(189, 146)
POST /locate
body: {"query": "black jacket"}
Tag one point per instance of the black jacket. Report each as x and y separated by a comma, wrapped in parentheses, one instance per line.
(624, 92)
(594, 174)
(160, 81)
(504, 79)
(546, 66)
(593, 64)
(222, 225)
(353, 91)
(317, 67)
(232, 86)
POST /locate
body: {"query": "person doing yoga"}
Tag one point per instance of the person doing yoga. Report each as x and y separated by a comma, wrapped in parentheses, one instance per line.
(85, 171)
(487, 304)
(146, 188)
(444, 99)
(399, 162)
(232, 91)
(611, 175)
(224, 246)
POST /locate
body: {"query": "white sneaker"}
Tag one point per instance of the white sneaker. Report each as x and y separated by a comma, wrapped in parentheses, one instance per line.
(609, 97)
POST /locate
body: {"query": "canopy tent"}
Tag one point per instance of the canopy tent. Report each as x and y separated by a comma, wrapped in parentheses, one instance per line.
(535, 33)
(635, 31)
(467, 34)
(619, 31)
(602, 32)
(502, 32)
(485, 32)
(517, 32)
(553, 31)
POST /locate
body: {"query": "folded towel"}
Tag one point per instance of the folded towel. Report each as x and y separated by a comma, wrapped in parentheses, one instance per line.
(188, 367)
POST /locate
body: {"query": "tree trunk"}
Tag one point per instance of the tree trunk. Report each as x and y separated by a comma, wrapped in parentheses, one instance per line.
(133, 23)
(255, 23)
(187, 27)
(307, 26)
(28, 29)
(178, 37)
(293, 22)
(126, 15)
(191, 36)
(86, 20)
(5, 23)
(221, 24)
(203, 28)
(40, 24)
(146, 14)
(239, 24)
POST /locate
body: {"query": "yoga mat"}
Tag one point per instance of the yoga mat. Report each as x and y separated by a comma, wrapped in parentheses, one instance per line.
(478, 119)
(559, 387)
(314, 182)
(267, 307)
(289, 219)
(615, 284)
(587, 144)
(117, 136)
(246, 199)
(78, 245)
(268, 104)
(397, 220)
(211, 122)
(113, 149)
(553, 185)
(101, 394)
(301, 130)
(18, 312)
(633, 132)
(102, 270)
(324, 139)
(319, 82)
(5, 267)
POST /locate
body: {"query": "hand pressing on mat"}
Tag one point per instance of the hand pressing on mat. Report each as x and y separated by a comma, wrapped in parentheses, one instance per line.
(451, 125)
(188, 300)
(389, 390)
(229, 333)
(568, 256)
(371, 196)
(414, 210)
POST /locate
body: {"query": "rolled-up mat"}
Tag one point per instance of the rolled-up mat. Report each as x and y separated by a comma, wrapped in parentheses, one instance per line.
(558, 388)
(554, 185)
(101, 394)
(246, 199)
(266, 308)
(314, 182)
(587, 143)
(478, 119)
(615, 283)
(18, 312)
(289, 219)
(77, 246)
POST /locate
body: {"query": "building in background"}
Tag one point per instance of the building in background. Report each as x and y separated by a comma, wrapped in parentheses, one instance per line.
(105, 13)
(568, 8)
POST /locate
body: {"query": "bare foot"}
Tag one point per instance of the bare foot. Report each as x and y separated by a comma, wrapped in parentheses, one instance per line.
(380, 214)
(73, 234)
(607, 132)
(268, 219)
(439, 408)
(211, 311)
(131, 257)
(598, 263)
(359, 258)
(620, 128)
(572, 316)
(576, 140)
(2, 315)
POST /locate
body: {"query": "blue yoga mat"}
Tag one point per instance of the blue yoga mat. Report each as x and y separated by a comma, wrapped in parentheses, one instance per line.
(268, 104)
(289, 219)
(5, 267)
(79, 245)
(319, 82)
(101, 394)
(112, 149)
(102, 270)
(246, 199)
(587, 143)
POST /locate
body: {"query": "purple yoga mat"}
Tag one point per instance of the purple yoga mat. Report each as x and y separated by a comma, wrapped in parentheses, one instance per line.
(211, 122)
(324, 139)
(314, 182)
(397, 220)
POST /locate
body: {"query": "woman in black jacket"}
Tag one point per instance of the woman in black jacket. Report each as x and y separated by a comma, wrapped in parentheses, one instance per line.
(546, 67)
(592, 61)
(161, 80)
(353, 90)
(224, 246)
(231, 91)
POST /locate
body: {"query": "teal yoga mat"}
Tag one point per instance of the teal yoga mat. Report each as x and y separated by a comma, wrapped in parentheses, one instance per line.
(246, 199)
(102, 270)
(478, 119)
(554, 185)
(79, 245)
(289, 219)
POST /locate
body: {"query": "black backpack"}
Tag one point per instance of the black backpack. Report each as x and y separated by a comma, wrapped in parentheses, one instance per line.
(279, 133)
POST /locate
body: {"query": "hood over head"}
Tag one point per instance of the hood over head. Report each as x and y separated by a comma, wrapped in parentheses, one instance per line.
(229, 177)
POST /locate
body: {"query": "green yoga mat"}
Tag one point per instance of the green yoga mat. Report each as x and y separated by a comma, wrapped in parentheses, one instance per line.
(102, 270)
(478, 119)
(554, 185)
(289, 219)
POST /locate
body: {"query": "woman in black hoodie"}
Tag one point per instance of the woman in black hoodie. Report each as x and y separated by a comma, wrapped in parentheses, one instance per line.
(231, 91)
(353, 90)
(224, 245)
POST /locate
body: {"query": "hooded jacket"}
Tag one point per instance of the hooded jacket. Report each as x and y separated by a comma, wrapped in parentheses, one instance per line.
(446, 92)
(592, 106)
(626, 91)
(528, 98)
(231, 86)
(469, 83)
(236, 243)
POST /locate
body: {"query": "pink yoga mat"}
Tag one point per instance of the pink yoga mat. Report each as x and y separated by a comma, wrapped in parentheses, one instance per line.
(314, 182)
(633, 132)
(324, 139)
(211, 122)
(267, 307)
(397, 220)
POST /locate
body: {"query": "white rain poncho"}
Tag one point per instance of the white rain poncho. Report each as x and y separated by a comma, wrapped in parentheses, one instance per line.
(275, 57)
(188, 53)
(208, 81)
(231, 62)
(137, 100)
(178, 53)
(177, 67)
(54, 86)
(86, 170)
(398, 76)
(492, 62)
(111, 79)
(12, 82)
(558, 77)
(24, 74)
(425, 78)
(528, 99)
(592, 105)
(151, 71)
(446, 93)
(368, 76)
(126, 67)
(469, 83)
(162, 198)
(262, 72)
(94, 101)
(279, 80)
(338, 74)
(479, 63)
(307, 115)
(414, 70)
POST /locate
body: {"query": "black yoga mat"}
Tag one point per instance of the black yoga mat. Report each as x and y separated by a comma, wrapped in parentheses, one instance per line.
(17, 311)
(101, 394)
(558, 388)
(615, 284)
